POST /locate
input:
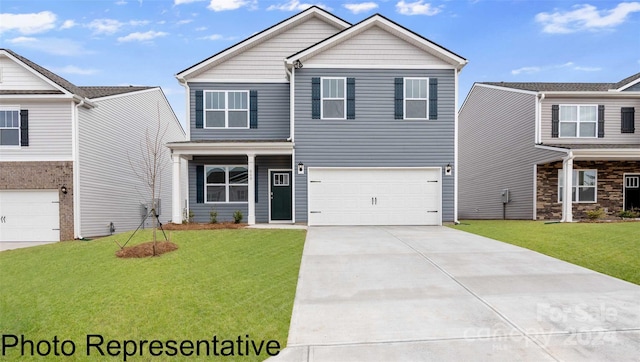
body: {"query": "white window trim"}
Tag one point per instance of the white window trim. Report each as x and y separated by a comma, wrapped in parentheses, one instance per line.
(226, 108)
(343, 99)
(578, 122)
(595, 187)
(13, 109)
(226, 184)
(405, 99)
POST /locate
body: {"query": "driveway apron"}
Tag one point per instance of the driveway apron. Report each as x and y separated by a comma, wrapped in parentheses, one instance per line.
(435, 293)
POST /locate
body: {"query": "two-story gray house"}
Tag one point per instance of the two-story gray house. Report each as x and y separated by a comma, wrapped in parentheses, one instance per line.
(535, 138)
(315, 120)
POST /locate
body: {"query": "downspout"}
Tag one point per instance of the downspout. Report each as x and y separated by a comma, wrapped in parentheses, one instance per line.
(567, 199)
(76, 170)
(291, 74)
(187, 122)
(538, 111)
(455, 152)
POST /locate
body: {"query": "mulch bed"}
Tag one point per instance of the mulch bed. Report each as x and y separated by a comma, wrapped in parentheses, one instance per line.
(203, 226)
(146, 249)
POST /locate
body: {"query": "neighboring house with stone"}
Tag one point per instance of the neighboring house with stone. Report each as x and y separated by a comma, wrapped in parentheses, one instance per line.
(531, 138)
(66, 154)
(315, 120)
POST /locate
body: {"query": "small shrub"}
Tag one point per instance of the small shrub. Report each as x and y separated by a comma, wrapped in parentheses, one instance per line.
(191, 215)
(237, 216)
(595, 214)
(630, 214)
(213, 216)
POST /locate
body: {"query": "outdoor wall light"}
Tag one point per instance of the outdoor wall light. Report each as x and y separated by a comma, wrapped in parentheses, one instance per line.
(297, 64)
(447, 170)
(63, 189)
(300, 168)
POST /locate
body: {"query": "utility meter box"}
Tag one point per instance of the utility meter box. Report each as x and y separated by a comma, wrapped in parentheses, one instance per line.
(505, 195)
(158, 209)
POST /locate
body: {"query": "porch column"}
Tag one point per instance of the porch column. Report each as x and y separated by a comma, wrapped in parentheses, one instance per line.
(567, 199)
(251, 165)
(176, 202)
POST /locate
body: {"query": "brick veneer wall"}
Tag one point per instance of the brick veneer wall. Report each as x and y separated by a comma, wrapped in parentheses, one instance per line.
(43, 175)
(609, 188)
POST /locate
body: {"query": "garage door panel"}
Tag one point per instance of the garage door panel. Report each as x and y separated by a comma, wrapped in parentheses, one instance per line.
(29, 215)
(377, 196)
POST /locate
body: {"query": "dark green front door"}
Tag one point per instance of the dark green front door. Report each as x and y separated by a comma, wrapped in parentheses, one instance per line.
(280, 195)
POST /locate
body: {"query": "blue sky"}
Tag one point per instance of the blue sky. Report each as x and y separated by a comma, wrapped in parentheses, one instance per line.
(146, 42)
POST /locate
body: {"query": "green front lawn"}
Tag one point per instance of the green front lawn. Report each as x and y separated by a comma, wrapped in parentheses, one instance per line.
(610, 248)
(223, 283)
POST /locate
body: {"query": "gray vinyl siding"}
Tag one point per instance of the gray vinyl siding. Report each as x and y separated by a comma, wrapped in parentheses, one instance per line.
(612, 117)
(374, 138)
(496, 151)
(273, 112)
(226, 210)
(111, 137)
(50, 131)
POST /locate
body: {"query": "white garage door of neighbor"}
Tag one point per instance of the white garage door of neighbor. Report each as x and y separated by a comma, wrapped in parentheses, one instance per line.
(29, 215)
(374, 196)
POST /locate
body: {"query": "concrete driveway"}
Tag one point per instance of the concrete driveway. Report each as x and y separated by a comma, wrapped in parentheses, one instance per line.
(434, 293)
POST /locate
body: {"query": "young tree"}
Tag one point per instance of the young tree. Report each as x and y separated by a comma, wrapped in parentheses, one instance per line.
(152, 162)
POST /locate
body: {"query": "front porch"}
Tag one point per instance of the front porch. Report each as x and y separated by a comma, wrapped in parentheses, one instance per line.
(596, 184)
(231, 176)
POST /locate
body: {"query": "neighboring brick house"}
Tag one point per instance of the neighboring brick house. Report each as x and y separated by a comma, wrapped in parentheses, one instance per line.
(530, 137)
(66, 153)
(315, 120)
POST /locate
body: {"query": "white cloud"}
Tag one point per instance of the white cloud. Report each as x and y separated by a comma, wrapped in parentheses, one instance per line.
(55, 46)
(105, 26)
(212, 37)
(361, 7)
(201, 28)
(138, 36)
(416, 8)
(72, 69)
(68, 24)
(139, 22)
(567, 65)
(585, 17)
(295, 5)
(224, 5)
(121, 2)
(28, 23)
(186, 21)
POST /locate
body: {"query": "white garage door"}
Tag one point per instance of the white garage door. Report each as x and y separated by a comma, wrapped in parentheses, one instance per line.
(374, 196)
(29, 215)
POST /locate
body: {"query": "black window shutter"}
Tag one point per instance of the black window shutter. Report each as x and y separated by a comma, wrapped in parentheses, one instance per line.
(399, 98)
(315, 98)
(628, 119)
(555, 120)
(199, 184)
(433, 98)
(199, 109)
(24, 128)
(351, 98)
(253, 109)
(600, 121)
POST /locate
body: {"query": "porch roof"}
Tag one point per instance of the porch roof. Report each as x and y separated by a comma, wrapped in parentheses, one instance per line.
(231, 147)
(598, 151)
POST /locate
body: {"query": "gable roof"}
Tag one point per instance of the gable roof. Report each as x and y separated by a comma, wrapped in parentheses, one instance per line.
(262, 36)
(88, 92)
(389, 26)
(568, 87)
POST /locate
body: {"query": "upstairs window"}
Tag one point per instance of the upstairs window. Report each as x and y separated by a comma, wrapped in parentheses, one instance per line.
(416, 101)
(226, 109)
(578, 121)
(333, 98)
(9, 127)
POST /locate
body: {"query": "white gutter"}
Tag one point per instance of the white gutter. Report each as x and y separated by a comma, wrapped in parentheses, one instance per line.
(455, 150)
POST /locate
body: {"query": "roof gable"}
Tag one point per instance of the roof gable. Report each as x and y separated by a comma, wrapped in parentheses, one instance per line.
(313, 12)
(379, 25)
(37, 78)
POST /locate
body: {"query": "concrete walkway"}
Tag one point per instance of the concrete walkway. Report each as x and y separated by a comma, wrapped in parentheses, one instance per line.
(438, 294)
(11, 245)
